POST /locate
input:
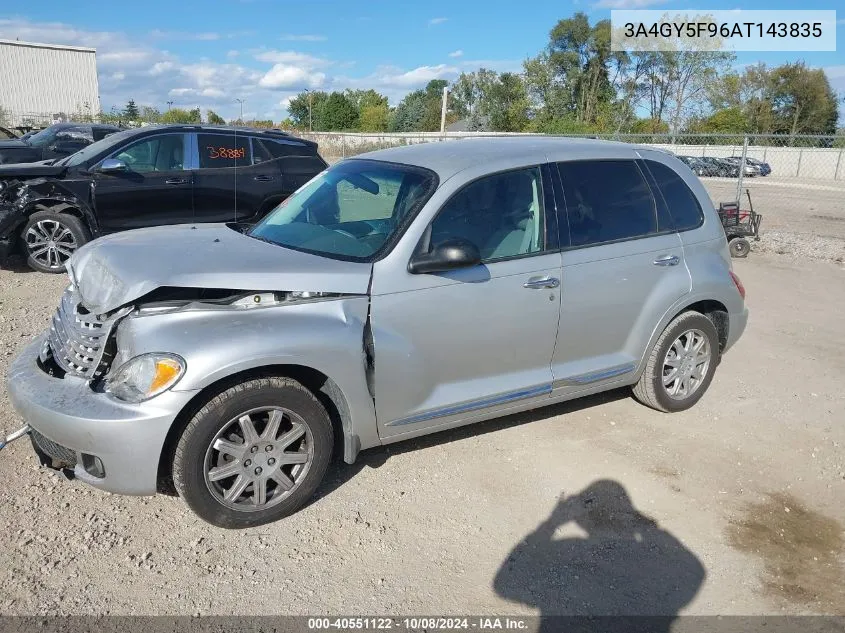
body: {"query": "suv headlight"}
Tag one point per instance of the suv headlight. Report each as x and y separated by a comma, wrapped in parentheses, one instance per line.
(145, 377)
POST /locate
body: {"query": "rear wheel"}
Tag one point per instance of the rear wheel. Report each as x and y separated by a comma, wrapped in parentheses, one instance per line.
(253, 454)
(739, 247)
(51, 238)
(681, 364)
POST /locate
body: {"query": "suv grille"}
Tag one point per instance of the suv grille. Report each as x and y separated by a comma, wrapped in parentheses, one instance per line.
(78, 339)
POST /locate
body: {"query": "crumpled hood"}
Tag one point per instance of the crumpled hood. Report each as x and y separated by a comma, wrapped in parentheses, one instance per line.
(117, 269)
(40, 168)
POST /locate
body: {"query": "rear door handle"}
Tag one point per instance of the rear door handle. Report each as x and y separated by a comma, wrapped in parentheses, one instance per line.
(541, 282)
(667, 260)
(175, 181)
(263, 178)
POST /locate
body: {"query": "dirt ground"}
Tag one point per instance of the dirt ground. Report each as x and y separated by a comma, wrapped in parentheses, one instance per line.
(734, 507)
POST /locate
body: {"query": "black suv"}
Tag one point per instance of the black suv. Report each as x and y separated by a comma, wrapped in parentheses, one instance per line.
(56, 141)
(145, 177)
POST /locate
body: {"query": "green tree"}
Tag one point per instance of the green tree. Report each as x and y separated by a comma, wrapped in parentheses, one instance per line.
(409, 115)
(214, 118)
(508, 104)
(374, 118)
(131, 111)
(338, 113)
(178, 115)
(305, 102)
(725, 121)
(365, 98)
(802, 100)
(149, 114)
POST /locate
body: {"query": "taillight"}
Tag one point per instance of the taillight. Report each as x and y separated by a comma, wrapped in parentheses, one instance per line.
(738, 284)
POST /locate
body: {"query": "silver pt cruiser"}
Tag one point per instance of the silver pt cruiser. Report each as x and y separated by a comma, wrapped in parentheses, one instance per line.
(399, 293)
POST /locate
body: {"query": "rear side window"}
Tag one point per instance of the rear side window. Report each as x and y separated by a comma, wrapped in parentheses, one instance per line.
(218, 150)
(607, 201)
(265, 149)
(683, 205)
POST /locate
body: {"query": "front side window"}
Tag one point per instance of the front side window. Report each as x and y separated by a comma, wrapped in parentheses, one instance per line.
(606, 201)
(78, 134)
(158, 153)
(349, 211)
(683, 205)
(501, 214)
(219, 150)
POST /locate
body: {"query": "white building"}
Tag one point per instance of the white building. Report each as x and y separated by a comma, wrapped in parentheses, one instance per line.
(42, 83)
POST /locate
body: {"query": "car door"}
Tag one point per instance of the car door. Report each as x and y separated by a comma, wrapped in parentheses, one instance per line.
(154, 189)
(227, 186)
(458, 346)
(622, 269)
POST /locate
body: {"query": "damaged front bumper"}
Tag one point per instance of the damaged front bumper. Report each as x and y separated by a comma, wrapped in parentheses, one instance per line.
(108, 444)
(10, 216)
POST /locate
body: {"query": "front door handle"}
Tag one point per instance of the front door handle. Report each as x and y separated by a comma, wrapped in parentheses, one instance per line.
(263, 178)
(667, 260)
(175, 181)
(539, 283)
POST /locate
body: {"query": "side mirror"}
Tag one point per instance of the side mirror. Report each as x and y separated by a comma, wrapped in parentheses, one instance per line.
(449, 255)
(63, 147)
(111, 165)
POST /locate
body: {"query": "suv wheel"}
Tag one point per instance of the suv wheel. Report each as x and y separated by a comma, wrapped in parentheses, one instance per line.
(681, 364)
(254, 453)
(51, 238)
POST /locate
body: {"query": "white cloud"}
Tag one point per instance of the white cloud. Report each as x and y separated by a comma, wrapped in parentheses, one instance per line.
(627, 4)
(290, 57)
(287, 76)
(418, 76)
(198, 36)
(457, 53)
(232, 54)
(435, 21)
(304, 38)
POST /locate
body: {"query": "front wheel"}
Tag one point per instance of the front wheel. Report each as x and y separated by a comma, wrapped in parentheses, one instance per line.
(254, 453)
(681, 364)
(51, 238)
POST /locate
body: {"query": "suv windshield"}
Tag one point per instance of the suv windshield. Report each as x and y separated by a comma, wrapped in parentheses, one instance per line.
(350, 211)
(103, 145)
(44, 137)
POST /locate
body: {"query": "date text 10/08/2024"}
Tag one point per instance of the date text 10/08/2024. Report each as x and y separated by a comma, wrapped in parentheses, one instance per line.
(419, 623)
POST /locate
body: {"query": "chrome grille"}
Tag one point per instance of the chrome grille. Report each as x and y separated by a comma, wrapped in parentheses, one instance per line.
(78, 339)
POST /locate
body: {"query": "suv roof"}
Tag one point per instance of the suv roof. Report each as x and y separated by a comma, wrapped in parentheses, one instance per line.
(196, 127)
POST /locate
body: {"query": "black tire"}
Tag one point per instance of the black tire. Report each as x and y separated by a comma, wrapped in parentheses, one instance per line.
(650, 389)
(77, 234)
(191, 456)
(739, 247)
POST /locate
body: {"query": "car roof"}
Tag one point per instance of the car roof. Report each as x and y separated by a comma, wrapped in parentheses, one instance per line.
(498, 153)
(199, 127)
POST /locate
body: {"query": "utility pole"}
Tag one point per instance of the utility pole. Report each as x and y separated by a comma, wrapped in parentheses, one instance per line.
(241, 101)
(169, 105)
(443, 110)
(310, 102)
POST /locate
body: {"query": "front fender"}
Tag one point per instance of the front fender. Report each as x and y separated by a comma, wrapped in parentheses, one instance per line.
(326, 336)
(46, 192)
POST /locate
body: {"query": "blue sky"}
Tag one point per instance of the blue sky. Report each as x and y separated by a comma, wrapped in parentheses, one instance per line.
(208, 53)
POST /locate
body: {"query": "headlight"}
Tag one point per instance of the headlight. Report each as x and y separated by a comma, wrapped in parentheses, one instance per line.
(145, 376)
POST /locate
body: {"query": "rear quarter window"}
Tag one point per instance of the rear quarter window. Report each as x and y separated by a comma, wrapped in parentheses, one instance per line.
(683, 205)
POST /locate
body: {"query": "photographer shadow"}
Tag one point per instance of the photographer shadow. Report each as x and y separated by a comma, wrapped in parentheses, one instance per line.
(624, 565)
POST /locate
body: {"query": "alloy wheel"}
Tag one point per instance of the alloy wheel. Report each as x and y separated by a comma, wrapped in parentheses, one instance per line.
(685, 364)
(258, 458)
(50, 243)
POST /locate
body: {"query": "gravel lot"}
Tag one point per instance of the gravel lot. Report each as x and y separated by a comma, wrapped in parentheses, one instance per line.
(734, 507)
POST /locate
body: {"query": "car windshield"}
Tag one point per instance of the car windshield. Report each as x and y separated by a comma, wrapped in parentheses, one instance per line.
(44, 137)
(350, 211)
(103, 145)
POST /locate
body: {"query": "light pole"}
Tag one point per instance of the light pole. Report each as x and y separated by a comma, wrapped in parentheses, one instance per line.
(241, 101)
(169, 104)
(309, 108)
